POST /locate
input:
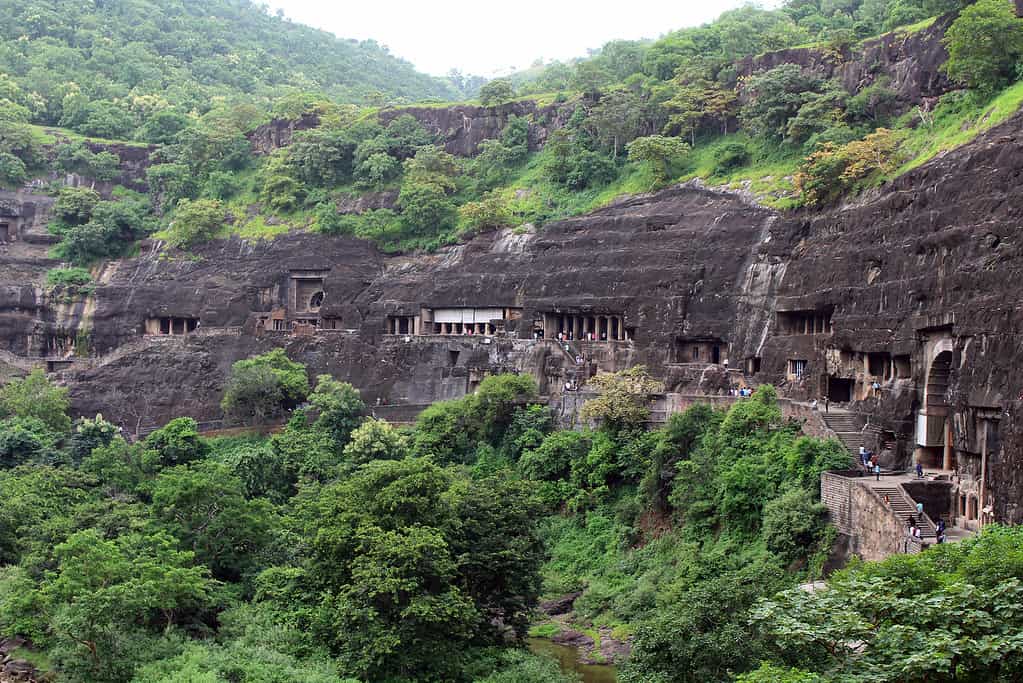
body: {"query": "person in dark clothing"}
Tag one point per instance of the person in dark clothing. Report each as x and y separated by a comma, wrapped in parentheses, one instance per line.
(919, 470)
(877, 471)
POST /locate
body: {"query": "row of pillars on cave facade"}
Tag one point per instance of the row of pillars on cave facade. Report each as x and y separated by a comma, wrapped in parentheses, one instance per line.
(586, 327)
(485, 329)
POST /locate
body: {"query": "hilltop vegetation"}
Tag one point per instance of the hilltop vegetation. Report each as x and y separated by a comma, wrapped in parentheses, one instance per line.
(636, 116)
(115, 69)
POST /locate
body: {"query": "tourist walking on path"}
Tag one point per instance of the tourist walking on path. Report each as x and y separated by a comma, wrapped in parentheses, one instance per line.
(877, 471)
(827, 404)
(919, 470)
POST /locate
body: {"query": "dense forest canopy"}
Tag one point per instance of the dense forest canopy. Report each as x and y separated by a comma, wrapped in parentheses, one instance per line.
(342, 548)
(77, 59)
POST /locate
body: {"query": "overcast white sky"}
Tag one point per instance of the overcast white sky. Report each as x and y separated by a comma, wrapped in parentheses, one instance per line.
(490, 38)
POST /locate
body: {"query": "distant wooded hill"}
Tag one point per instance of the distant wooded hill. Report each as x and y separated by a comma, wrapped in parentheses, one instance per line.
(66, 60)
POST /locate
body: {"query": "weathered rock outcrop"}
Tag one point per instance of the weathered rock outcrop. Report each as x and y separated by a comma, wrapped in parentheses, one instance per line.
(461, 128)
(901, 304)
(279, 133)
(911, 61)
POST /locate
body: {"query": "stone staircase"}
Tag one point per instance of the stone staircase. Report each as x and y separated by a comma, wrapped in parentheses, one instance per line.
(847, 428)
(903, 506)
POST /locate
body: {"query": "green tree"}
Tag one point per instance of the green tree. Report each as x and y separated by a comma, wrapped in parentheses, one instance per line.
(490, 212)
(204, 506)
(659, 152)
(776, 96)
(262, 387)
(375, 440)
(89, 435)
(195, 221)
(985, 45)
(793, 524)
(74, 205)
(497, 91)
(176, 443)
(377, 170)
(622, 403)
(108, 594)
(12, 170)
(340, 407)
(34, 396)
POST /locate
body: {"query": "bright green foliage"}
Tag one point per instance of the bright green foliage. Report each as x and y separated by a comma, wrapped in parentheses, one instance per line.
(162, 126)
(623, 398)
(196, 221)
(340, 408)
(12, 170)
(497, 91)
(375, 440)
(108, 594)
(176, 443)
(985, 45)
(948, 614)
(521, 667)
(378, 169)
(412, 565)
(552, 459)
(820, 112)
(569, 163)
(89, 435)
(72, 282)
(24, 440)
(17, 140)
(659, 152)
(793, 523)
(704, 635)
(775, 97)
(74, 205)
(449, 431)
(76, 157)
(205, 508)
(34, 396)
(490, 212)
(281, 191)
(768, 673)
(262, 387)
(426, 208)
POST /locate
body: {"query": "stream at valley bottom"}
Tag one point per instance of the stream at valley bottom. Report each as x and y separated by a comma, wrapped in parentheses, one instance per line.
(568, 658)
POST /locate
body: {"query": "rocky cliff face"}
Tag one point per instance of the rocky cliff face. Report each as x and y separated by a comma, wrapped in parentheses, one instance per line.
(462, 128)
(279, 133)
(909, 287)
(910, 61)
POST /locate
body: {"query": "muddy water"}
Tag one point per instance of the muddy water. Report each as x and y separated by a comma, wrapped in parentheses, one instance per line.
(568, 657)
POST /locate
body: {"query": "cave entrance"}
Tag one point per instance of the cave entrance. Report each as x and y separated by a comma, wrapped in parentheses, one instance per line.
(5, 232)
(934, 424)
(840, 389)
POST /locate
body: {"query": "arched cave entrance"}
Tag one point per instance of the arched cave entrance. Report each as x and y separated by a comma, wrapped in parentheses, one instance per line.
(934, 428)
